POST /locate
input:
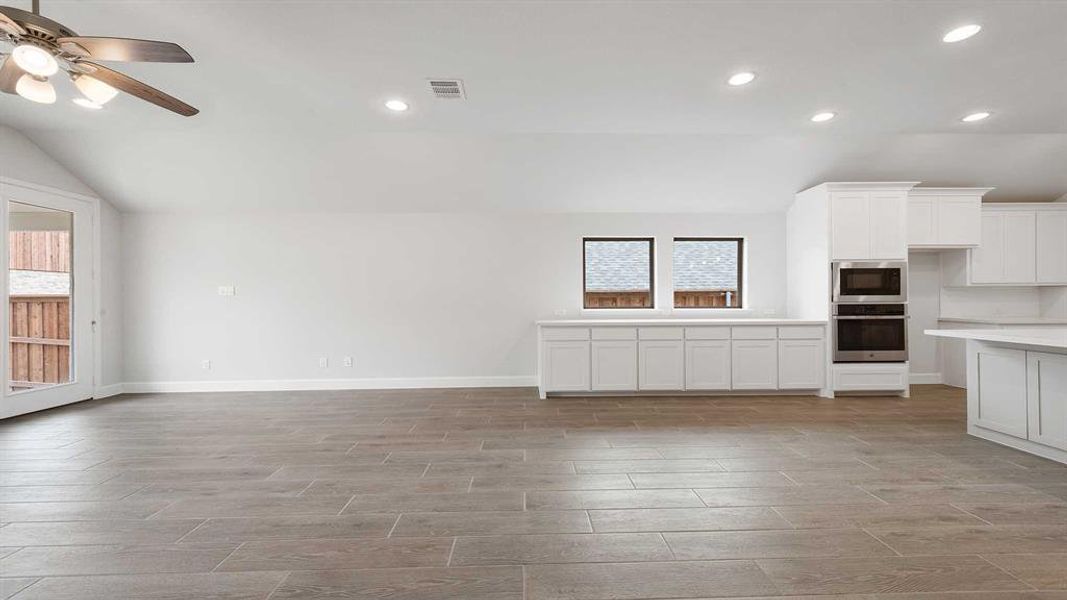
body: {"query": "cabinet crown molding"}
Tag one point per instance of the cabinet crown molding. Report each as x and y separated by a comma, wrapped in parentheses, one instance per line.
(1024, 206)
(951, 191)
(868, 186)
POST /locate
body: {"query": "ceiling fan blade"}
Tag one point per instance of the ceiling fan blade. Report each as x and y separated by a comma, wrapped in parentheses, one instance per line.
(124, 49)
(9, 76)
(9, 25)
(133, 87)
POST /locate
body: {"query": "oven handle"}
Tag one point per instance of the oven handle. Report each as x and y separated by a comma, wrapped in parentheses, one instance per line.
(855, 318)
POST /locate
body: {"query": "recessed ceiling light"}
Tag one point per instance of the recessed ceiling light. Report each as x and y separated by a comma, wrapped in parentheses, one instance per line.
(87, 103)
(978, 116)
(822, 117)
(396, 105)
(961, 33)
(741, 78)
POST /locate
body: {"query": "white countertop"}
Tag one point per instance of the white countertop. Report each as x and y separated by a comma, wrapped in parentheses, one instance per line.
(1005, 320)
(1048, 337)
(668, 322)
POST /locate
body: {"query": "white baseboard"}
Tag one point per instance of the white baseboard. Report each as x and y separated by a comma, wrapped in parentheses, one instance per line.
(925, 378)
(371, 383)
(105, 391)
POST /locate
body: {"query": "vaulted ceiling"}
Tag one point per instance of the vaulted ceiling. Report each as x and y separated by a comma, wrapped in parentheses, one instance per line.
(572, 106)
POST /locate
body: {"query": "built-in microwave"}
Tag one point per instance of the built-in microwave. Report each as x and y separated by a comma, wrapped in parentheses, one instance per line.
(870, 282)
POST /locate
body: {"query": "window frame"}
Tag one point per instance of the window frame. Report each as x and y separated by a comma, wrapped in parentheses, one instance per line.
(651, 241)
(741, 304)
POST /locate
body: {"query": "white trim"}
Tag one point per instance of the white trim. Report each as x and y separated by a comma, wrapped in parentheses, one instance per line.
(369, 383)
(106, 391)
(48, 189)
(925, 378)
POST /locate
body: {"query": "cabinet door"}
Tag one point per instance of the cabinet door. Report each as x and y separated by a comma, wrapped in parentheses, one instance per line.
(850, 219)
(801, 364)
(987, 260)
(1046, 395)
(887, 226)
(614, 366)
(1052, 247)
(566, 366)
(922, 229)
(1020, 247)
(707, 365)
(998, 378)
(661, 365)
(958, 221)
(754, 364)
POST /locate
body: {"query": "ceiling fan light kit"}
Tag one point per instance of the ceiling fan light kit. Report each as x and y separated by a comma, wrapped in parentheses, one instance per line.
(42, 48)
(94, 90)
(36, 89)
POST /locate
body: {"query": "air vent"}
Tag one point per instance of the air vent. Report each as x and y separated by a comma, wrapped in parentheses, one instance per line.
(447, 88)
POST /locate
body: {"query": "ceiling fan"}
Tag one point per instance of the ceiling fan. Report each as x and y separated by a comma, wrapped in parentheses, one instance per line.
(43, 48)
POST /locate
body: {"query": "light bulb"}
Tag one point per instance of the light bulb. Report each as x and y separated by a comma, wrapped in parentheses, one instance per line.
(94, 89)
(87, 103)
(823, 117)
(396, 105)
(36, 89)
(741, 78)
(978, 116)
(34, 60)
(961, 33)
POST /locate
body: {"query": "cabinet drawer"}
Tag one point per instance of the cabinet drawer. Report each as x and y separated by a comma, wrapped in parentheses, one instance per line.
(660, 333)
(802, 332)
(707, 333)
(614, 333)
(565, 334)
(754, 333)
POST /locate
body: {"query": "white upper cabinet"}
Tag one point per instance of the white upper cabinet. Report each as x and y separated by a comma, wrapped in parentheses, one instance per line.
(850, 215)
(1052, 248)
(1022, 244)
(869, 223)
(945, 217)
(888, 226)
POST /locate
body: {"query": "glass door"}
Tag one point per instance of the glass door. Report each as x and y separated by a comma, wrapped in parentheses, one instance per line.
(48, 286)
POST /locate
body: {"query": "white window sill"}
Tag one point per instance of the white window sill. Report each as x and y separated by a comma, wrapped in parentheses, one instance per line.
(716, 312)
(625, 312)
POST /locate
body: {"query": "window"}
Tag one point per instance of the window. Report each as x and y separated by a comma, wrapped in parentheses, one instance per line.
(707, 272)
(617, 272)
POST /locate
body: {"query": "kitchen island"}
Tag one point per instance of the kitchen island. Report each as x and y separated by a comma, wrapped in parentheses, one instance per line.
(1017, 387)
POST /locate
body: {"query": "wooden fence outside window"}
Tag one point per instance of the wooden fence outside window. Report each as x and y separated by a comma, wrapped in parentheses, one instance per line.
(39, 325)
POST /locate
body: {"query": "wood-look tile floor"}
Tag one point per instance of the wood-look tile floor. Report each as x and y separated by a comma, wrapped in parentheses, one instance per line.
(493, 494)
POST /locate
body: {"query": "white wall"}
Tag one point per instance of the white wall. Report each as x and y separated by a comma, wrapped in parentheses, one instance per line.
(924, 290)
(22, 160)
(408, 296)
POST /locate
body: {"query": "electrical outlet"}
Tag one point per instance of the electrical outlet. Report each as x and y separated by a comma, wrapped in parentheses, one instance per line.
(205, 365)
(349, 361)
(324, 363)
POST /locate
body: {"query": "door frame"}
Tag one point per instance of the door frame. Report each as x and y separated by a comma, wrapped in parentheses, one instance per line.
(22, 191)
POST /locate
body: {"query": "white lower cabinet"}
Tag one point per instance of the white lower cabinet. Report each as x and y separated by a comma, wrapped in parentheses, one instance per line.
(661, 365)
(662, 357)
(707, 364)
(1046, 398)
(801, 364)
(614, 365)
(754, 364)
(565, 366)
(999, 376)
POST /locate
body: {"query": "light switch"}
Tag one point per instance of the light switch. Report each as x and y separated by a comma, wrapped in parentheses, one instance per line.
(227, 290)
